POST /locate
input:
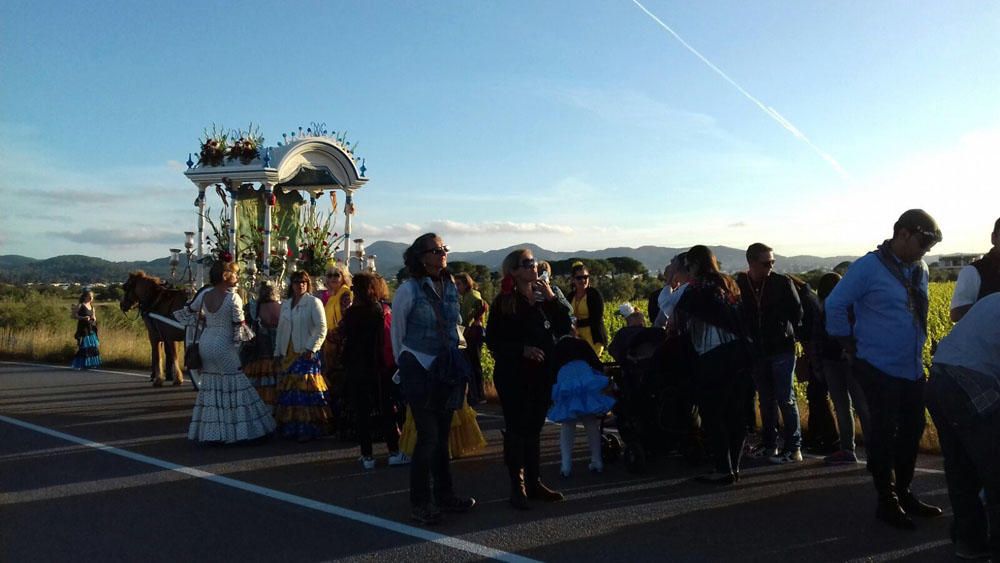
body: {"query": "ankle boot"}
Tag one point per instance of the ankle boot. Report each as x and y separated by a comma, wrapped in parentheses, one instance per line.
(891, 513)
(916, 507)
(518, 495)
(538, 491)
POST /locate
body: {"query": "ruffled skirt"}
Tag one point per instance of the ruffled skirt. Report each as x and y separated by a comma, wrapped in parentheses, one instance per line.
(264, 377)
(464, 438)
(228, 410)
(302, 409)
(579, 391)
(87, 353)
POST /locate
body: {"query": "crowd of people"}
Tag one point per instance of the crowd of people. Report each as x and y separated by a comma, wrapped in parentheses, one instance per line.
(409, 373)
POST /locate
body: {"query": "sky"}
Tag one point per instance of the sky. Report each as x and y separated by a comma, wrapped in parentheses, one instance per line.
(575, 125)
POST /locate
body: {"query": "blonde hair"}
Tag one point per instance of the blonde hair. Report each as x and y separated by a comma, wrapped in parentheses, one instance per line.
(345, 274)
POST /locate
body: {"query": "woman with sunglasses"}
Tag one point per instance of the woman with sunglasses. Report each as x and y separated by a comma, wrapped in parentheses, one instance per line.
(302, 412)
(338, 299)
(525, 321)
(432, 373)
(588, 309)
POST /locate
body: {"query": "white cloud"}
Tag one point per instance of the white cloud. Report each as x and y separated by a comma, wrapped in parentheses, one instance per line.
(118, 237)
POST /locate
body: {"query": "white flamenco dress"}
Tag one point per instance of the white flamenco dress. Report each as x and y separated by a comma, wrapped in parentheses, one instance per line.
(227, 409)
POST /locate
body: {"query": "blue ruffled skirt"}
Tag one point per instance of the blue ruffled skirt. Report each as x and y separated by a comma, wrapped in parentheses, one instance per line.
(579, 391)
(87, 354)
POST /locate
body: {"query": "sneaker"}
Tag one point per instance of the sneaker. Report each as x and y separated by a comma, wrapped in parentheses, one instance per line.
(843, 457)
(398, 458)
(762, 452)
(787, 456)
(368, 463)
(456, 504)
(426, 514)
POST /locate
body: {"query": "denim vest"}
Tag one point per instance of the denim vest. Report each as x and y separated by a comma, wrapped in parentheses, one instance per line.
(422, 332)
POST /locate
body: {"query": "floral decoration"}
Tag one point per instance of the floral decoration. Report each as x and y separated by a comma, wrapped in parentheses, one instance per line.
(214, 145)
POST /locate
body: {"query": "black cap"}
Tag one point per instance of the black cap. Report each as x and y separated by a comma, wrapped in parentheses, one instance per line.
(919, 221)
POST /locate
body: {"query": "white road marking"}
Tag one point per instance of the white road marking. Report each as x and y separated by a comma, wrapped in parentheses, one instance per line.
(402, 529)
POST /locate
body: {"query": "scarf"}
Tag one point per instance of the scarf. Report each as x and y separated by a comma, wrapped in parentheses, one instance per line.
(916, 300)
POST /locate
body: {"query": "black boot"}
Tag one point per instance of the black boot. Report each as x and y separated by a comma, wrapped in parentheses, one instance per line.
(532, 462)
(518, 494)
(916, 507)
(513, 456)
(890, 512)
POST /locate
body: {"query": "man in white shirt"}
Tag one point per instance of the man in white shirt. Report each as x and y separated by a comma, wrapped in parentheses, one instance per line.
(677, 277)
(978, 279)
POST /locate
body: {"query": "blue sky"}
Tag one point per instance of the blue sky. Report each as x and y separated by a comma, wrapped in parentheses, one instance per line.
(574, 124)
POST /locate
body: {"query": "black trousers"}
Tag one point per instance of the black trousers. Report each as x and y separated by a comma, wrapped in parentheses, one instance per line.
(474, 353)
(896, 409)
(821, 430)
(971, 447)
(525, 401)
(430, 456)
(373, 409)
(723, 384)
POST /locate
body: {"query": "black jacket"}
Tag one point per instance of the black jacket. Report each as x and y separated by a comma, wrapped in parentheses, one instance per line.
(595, 308)
(512, 326)
(771, 325)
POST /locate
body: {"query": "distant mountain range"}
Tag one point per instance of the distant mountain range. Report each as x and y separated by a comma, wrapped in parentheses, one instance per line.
(86, 269)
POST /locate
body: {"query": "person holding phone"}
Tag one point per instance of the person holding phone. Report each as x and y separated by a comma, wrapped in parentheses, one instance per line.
(521, 334)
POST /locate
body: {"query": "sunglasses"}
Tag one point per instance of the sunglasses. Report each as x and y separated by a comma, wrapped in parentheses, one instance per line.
(768, 263)
(296, 282)
(926, 239)
(527, 263)
(581, 278)
(335, 275)
(439, 251)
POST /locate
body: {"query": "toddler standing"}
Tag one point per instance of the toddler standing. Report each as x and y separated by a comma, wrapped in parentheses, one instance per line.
(578, 397)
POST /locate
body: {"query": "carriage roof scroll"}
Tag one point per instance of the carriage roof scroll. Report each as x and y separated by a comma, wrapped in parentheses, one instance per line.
(265, 181)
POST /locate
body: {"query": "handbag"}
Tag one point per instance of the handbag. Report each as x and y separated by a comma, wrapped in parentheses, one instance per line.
(450, 368)
(192, 355)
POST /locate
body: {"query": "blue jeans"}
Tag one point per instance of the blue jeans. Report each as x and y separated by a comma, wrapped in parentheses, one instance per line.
(773, 377)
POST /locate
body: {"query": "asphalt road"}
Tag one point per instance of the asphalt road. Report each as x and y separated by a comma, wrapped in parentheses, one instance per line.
(95, 466)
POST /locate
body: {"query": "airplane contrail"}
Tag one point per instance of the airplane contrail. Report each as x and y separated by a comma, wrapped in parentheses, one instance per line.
(770, 111)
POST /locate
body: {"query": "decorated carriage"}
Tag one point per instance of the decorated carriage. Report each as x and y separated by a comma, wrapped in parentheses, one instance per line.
(278, 214)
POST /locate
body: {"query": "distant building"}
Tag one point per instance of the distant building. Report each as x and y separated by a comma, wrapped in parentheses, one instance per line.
(955, 262)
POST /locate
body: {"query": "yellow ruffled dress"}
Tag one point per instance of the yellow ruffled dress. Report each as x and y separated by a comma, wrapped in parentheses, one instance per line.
(464, 439)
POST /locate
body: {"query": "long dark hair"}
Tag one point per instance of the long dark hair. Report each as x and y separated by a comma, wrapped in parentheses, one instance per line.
(700, 257)
(411, 256)
(366, 289)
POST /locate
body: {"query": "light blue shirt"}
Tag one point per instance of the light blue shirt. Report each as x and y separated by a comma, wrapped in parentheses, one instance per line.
(974, 343)
(887, 334)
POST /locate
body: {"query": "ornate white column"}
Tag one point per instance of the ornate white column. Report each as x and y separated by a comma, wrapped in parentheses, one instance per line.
(233, 188)
(201, 235)
(266, 251)
(348, 211)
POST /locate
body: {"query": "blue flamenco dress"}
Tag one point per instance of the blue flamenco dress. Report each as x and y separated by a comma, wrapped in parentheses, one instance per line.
(88, 353)
(579, 392)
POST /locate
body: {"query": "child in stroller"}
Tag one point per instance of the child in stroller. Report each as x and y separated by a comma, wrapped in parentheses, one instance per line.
(655, 410)
(579, 397)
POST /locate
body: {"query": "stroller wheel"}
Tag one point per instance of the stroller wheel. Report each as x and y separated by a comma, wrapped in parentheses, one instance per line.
(611, 447)
(635, 459)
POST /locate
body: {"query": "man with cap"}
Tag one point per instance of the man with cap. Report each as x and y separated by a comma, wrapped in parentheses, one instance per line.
(977, 280)
(887, 289)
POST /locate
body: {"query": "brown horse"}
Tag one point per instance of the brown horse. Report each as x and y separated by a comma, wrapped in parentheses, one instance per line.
(152, 296)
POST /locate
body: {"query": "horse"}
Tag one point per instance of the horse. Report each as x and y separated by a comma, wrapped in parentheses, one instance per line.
(153, 296)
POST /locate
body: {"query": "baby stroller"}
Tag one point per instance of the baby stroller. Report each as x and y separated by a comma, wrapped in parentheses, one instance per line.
(655, 409)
